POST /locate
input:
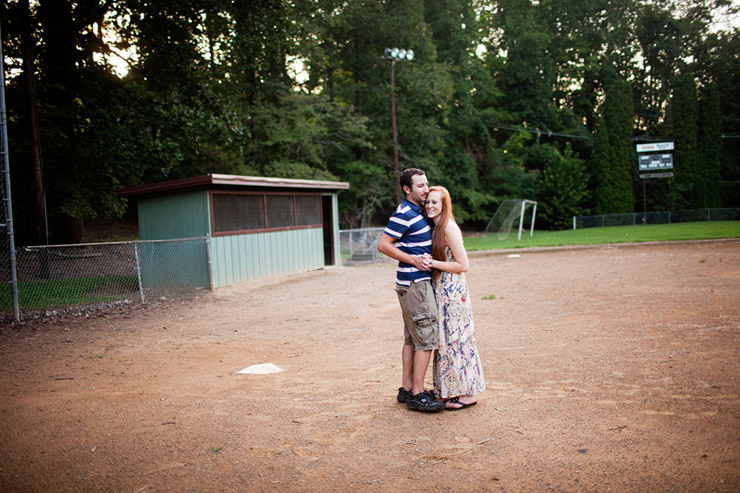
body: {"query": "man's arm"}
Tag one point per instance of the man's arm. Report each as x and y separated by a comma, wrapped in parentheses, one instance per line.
(386, 247)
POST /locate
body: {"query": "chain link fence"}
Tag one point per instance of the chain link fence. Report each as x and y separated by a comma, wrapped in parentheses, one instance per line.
(661, 217)
(101, 274)
(359, 245)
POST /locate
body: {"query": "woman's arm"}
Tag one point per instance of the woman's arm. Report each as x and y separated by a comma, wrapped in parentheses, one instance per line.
(454, 239)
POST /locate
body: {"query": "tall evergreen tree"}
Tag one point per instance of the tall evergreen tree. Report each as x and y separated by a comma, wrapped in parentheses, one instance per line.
(684, 118)
(613, 156)
(710, 144)
(605, 197)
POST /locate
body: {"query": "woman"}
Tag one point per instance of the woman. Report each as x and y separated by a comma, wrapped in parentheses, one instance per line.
(458, 375)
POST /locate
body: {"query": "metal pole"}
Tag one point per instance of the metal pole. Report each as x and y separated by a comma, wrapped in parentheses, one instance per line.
(210, 267)
(534, 211)
(644, 202)
(138, 270)
(7, 197)
(521, 219)
(395, 133)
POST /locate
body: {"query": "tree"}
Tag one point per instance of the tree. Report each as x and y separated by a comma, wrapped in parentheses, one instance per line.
(719, 65)
(660, 37)
(29, 75)
(618, 114)
(606, 199)
(527, 75)
(562, 190)
(347, 63)
(468, 144)
(612, 158)
(684, 117)
(710, 144)
(213, 89)
(592, 47)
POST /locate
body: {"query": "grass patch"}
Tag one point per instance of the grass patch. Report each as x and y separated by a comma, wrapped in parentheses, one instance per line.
(64, 292)
(613, 234)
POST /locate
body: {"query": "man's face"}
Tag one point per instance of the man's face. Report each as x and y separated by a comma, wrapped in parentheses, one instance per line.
(419, 189)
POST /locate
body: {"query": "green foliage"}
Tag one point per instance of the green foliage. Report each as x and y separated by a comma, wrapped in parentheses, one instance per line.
(684, 120)
(710, 144)
(720, 65)
(528, 74)
(659, 35)
(563, 184)
(213, 89)
(612, 156)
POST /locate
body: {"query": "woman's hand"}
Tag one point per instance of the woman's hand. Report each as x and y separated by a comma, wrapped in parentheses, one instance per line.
(428, 261)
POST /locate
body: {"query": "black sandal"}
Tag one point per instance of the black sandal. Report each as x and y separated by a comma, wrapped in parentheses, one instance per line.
(456, 400)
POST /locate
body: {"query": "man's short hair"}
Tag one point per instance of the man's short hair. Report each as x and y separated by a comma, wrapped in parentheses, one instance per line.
(407, 177)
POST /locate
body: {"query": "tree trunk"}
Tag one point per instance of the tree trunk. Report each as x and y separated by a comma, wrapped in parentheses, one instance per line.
(63, 87)
(40, 236)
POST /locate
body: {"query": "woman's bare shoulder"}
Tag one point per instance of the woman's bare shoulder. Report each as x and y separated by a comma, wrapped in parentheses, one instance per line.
(452, 229)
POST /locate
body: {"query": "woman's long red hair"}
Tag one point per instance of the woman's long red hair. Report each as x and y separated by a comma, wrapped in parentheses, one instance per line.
(438, 238)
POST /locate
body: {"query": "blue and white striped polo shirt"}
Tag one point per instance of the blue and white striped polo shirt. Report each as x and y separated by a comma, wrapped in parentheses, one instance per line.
(408, 226)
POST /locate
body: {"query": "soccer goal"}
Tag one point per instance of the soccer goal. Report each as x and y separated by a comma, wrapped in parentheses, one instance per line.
(507, 215)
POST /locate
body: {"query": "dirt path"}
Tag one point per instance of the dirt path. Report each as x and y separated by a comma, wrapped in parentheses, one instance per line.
(610, 368)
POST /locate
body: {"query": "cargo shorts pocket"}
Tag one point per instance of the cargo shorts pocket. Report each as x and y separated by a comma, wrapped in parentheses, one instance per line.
(426, 328)
(423, 319)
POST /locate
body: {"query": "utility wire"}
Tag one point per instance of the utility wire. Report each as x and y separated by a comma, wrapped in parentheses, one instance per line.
(550, 133)
(547, 133)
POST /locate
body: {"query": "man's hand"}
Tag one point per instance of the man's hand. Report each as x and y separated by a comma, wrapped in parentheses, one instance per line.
(386, 247)
(426, 262)
(423, 262)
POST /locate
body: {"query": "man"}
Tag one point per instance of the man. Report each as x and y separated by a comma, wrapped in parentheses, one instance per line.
(408, 239)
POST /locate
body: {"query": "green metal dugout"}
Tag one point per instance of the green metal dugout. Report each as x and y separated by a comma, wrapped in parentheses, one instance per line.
(258, 226)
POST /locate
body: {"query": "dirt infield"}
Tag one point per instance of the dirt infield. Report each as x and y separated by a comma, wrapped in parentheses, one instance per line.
(611, 368)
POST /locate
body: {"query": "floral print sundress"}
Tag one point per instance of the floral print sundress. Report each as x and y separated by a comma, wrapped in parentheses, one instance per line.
(457, 366)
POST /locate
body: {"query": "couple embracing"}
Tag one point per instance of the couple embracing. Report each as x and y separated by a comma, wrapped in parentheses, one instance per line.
(433, 293)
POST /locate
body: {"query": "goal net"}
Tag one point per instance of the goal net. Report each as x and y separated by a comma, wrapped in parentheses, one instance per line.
(511, 213)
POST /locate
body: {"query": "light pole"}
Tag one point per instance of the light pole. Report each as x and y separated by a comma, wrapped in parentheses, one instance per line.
(394, 55)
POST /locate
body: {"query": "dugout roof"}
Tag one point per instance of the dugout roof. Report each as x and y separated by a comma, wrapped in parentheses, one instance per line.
(234, 181)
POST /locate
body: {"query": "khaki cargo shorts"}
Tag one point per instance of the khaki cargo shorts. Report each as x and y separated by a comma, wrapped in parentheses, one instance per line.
(419, 310)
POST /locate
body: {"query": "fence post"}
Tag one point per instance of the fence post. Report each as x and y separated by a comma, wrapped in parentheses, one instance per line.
(210, 267)
(138, 270)
(6, 197)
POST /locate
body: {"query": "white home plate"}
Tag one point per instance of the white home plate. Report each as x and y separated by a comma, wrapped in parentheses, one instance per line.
(263, 369)
(513, 255)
